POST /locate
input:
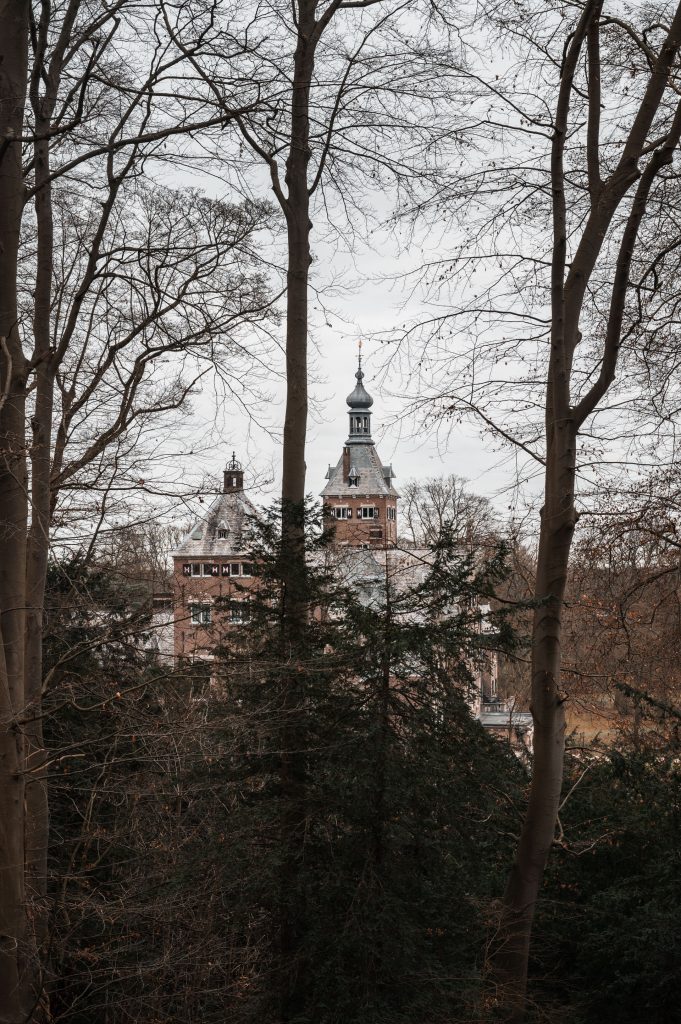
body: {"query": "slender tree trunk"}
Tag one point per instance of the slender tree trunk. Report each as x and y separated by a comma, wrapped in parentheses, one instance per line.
(299, 259)
(37, 816)
(294, 617)
(14, 953)
(509, 967)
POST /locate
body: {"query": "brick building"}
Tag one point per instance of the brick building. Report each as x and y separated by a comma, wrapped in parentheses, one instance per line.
(359, 495)
(211, 569)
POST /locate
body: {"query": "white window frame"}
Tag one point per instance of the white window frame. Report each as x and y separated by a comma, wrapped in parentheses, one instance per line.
(201, 613)
(391, 513)
(342, 512)
(367, 512)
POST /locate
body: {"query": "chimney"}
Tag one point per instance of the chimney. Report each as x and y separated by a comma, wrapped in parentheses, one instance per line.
(233, 476)
(346, 464)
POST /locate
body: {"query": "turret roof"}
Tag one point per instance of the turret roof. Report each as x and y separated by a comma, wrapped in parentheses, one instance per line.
(374, 478)
(231, 511)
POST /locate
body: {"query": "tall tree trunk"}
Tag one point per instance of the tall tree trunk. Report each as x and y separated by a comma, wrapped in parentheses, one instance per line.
(14, 949)
(37, 816)
(294, 617)
(555, 539)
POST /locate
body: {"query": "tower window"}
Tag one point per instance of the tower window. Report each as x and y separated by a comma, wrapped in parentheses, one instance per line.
(368, 512)
(366, 424)
(391, 514)
(353, 479)
(222, 534)
(342, 512)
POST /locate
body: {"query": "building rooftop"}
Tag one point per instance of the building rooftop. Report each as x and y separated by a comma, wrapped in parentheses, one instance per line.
(373, 477)
(225, 529)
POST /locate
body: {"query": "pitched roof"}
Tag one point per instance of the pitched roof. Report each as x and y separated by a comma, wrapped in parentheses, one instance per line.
(374, 478)
(231, 511)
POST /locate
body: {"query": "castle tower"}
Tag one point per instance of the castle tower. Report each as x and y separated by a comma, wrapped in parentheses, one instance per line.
(360, 497)
(212, 569)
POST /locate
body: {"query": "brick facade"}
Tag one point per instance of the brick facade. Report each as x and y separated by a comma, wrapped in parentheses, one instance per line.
(355, 528)
(212, 572)
(219, 597)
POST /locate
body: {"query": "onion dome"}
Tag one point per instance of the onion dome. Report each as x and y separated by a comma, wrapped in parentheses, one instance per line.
(360, 397)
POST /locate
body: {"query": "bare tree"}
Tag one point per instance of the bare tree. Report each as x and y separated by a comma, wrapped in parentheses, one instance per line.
(579, 216)
(349, 99)
(428, 506)
(94, 299)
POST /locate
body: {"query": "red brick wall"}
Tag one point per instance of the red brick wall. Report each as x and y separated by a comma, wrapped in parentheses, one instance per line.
(355, 532)
(189, 637)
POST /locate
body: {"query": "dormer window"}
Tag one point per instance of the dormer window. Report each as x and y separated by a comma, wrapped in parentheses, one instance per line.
(222, 534)
(353, 477)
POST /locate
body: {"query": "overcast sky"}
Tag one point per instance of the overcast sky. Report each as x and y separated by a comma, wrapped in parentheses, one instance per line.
(372, 301)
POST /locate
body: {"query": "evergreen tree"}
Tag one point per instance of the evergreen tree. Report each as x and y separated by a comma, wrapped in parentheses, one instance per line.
(609, 938)
(405, 801)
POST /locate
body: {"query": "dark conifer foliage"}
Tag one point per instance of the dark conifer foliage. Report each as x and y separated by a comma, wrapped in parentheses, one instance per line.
(173, 861)
(609, 937)
(405, 803)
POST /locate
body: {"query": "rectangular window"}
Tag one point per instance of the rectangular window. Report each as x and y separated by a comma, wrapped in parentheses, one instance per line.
(196, 568)
(222, 534)
(341, 512)
(239, 612)
(200, 614)
(234, 568)
(391, 514)
(207, 568)
(246, 569)
(376, 532)
(368, 512)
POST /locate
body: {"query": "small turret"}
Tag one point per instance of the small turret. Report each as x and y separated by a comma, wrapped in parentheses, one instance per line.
(233, 476)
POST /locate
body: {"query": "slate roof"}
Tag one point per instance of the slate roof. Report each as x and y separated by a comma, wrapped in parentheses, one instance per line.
(374, 478)
(232, 511)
